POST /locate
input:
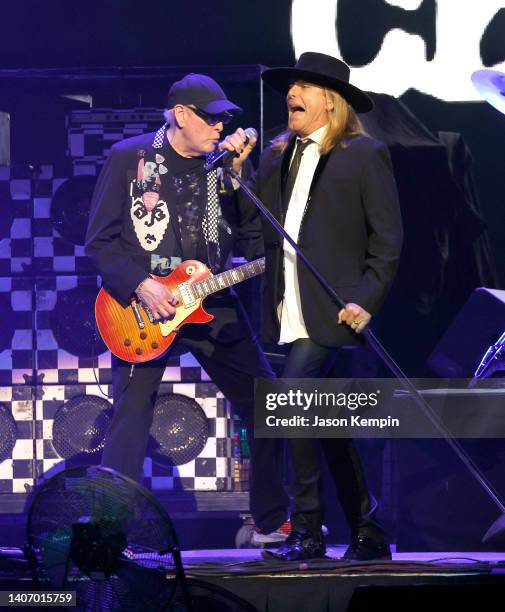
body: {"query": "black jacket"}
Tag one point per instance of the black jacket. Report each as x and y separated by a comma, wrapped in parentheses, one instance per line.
(111, 240)
(351, 230)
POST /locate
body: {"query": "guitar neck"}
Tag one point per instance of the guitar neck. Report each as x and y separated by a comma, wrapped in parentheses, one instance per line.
(229, 278)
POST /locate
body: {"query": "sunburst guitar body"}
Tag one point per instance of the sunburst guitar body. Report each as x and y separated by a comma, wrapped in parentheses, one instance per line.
(134, 335)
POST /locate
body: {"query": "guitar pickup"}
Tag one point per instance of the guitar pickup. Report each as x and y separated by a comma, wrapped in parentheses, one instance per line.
(137, 315)
(187, 294)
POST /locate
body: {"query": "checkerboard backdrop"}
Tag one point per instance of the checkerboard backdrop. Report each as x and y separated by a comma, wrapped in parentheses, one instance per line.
(56, 342)
(49, 203)
(71, 421)
(16, 331)
(212, 469)
(17, 448)
(45, 429)
(34, 243)
(52, 364)
(92, 132)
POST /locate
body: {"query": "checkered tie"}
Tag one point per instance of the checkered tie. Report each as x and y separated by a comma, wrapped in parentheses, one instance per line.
(159, 137)
(210, 221)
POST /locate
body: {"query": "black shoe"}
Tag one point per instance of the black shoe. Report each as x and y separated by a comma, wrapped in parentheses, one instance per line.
(299, 545)
(364, 548)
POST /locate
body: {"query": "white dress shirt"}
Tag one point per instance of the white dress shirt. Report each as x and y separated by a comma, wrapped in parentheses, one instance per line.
(290, 310)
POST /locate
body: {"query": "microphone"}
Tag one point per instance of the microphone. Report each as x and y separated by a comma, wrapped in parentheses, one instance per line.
(226, 156)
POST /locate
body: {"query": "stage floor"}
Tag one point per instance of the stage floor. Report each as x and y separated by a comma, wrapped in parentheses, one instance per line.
(231, 580)
(411, 581)
(231, 556)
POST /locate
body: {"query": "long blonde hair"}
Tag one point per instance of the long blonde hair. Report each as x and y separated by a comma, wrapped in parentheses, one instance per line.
(343, 125)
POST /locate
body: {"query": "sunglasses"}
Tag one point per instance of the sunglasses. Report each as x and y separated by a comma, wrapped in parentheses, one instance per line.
(211, 119)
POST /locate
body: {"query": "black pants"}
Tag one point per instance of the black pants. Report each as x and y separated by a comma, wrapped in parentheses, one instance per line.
(306, 359)
(232, 360)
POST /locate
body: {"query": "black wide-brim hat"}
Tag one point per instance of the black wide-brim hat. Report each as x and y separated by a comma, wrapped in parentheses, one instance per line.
(323, 70)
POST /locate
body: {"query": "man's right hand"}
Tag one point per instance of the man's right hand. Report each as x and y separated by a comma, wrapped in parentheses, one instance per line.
(237, 142)
(157, 298)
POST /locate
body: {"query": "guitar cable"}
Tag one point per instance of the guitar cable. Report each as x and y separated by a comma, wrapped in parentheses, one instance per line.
(96, 369)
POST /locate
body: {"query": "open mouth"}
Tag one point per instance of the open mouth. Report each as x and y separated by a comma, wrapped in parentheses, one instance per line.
(295, 108)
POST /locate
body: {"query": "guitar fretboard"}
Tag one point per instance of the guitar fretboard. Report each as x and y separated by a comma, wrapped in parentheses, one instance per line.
(229, 278)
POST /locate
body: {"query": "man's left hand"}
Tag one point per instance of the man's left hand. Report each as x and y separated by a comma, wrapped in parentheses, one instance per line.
(237, 142)
(356, 317)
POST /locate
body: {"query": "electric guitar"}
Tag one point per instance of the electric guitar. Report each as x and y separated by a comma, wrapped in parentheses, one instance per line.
(133, 334)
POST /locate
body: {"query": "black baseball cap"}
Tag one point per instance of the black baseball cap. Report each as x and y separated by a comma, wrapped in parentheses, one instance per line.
(203, 92)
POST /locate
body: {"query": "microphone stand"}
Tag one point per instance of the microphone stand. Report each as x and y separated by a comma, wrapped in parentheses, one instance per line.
(498, 526)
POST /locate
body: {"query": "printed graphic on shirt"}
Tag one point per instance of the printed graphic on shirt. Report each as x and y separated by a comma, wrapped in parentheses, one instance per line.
(150, 225)
(149, 214)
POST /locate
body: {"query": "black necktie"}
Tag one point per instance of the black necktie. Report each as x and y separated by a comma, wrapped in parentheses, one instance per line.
(293, 170)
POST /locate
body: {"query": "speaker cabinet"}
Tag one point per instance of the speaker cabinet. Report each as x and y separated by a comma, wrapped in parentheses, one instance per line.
(17, 449)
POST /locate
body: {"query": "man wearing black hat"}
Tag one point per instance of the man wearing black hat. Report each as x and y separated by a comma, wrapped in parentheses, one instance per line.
(154, 206)
(332, 188)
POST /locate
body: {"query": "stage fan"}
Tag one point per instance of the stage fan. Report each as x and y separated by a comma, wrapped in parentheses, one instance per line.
(96, 532)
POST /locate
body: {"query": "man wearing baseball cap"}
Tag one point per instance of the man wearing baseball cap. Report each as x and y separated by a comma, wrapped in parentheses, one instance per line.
(332, 188)
(154, 206)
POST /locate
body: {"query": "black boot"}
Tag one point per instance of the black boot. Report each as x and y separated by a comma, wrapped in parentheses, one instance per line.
(365, 548)
(299, 545)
